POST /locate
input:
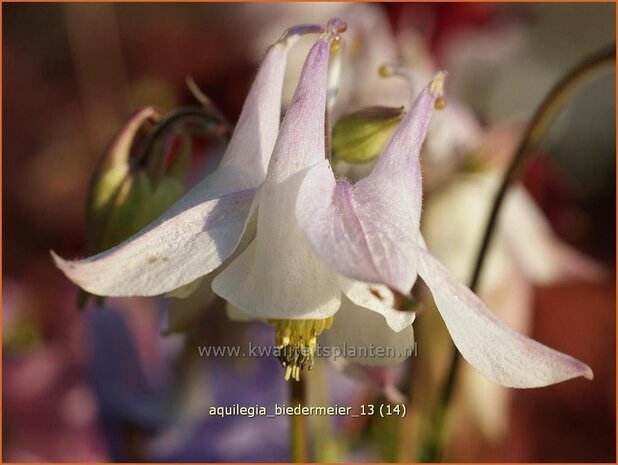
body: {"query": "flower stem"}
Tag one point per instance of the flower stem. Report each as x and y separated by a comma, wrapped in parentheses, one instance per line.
(298, 430)
(171, 119)
(544, 116)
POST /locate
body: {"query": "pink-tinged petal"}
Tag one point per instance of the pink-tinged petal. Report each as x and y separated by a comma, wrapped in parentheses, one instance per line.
(173, 251)
(279, 275)
(253, 140)
(488, 343)
(379, 299)
(301, 141)
(362, 336)
(369, 231)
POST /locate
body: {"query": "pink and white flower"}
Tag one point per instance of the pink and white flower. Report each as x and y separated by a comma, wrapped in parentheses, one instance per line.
(316, 249)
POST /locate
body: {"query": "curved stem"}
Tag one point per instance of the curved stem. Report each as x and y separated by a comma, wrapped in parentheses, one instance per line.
(206, 102)
(170, 120)
(298, 430)
(543, 117)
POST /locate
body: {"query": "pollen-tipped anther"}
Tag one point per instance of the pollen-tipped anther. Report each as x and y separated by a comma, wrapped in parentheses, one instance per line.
(387, 70)
(436, 86)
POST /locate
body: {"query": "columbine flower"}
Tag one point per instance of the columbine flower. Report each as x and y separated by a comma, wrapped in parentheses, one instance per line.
(279, 276)
(320, 244)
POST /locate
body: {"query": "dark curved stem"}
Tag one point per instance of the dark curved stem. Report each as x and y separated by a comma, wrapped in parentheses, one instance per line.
(208, 104)
(169, 121)
(537, 127)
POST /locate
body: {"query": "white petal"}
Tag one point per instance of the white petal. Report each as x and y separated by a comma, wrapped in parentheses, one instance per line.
(253, 140)
(301, 141)
(173, 251)
(487, 343)
(279, 275)
(204, 227)
(362, 336)
(377, 298)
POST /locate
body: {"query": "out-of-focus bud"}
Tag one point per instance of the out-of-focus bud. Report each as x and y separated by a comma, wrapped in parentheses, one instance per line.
(127, 193)
(360, 136)
(109, 176)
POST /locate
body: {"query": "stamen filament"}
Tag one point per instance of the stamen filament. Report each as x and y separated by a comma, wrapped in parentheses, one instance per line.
(436, 86)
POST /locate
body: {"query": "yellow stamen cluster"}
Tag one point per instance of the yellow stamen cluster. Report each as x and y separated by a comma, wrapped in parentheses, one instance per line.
(297, 342)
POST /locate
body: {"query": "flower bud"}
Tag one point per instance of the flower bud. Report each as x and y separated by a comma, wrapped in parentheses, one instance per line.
(360, 136)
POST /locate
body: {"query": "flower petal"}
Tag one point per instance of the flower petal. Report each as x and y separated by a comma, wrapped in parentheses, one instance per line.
(362, 336)
(301, 141)
(281, 278)
(253, 140)
(171, 252)
(487, 343)
(369, 231)
(279, 275)
(204, 227)
(379, 299)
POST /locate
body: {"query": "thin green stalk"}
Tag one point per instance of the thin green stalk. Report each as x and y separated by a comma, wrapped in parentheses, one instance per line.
(432, 448)
(298, 430)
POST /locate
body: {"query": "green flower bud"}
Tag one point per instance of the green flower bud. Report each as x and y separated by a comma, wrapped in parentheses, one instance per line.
(110, 178)
(360, 136)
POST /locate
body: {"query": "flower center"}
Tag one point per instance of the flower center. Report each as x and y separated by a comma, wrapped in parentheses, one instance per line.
(297, 342)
